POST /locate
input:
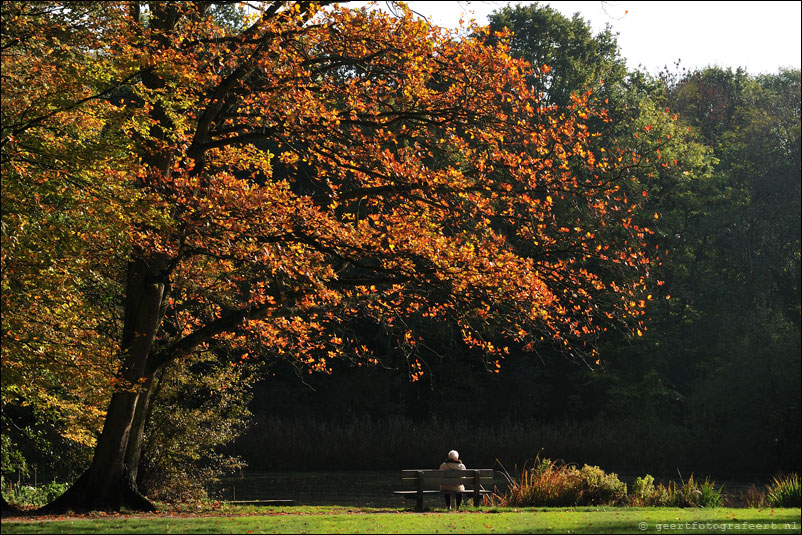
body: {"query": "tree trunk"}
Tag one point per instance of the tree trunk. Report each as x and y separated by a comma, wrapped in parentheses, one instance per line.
(108, 483)
(136, 437)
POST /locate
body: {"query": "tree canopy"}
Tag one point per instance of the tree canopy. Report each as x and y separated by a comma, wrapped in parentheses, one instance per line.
(246, 191)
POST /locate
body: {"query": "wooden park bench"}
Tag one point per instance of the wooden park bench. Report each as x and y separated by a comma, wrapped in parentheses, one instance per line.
(428, 482)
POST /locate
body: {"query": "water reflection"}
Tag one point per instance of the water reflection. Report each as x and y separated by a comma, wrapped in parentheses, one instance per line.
(357, 489)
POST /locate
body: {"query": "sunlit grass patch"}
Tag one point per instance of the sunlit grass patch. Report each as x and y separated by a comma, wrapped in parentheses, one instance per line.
(481, 520)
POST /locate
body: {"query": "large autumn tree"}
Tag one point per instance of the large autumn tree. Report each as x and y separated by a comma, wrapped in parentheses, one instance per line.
(266, 185)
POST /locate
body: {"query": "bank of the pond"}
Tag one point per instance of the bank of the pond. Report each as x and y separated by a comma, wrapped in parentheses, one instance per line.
(482, 520)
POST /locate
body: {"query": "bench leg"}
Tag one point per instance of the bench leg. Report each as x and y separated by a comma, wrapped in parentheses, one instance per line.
(419, 503)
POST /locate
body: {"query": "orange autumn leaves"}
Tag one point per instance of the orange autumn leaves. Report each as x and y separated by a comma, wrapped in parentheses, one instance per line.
(411, 182)
(324, 166)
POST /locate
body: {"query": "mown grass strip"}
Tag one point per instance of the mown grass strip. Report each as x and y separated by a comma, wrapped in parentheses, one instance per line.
(338, 520)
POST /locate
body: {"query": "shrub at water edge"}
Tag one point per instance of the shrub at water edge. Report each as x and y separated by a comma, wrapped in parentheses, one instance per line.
(554, 483)
(784, 491)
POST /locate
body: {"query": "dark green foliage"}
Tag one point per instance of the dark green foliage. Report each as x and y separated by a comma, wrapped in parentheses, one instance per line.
(578, 60)
(722, 354)
(729, 339)
(200, 406)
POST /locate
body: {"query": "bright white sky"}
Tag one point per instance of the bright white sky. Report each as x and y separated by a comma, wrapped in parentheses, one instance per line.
(759, 36)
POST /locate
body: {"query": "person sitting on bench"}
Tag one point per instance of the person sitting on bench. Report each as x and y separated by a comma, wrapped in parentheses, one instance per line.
(452, 463)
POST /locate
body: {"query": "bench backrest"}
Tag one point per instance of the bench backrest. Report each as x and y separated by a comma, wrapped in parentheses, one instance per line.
(435, 478)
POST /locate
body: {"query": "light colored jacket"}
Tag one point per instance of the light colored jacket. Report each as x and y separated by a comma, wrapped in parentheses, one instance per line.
(452, 465)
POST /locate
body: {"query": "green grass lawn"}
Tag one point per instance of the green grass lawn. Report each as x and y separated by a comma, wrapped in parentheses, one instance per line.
(481, 520)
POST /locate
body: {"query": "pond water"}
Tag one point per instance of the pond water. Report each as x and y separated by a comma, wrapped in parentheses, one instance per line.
(351, 488)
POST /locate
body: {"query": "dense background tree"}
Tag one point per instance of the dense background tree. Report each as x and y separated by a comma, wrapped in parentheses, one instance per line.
(736, 271)
(577, 60)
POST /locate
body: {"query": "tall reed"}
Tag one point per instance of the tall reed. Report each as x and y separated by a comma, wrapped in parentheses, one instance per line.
(360, 442)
